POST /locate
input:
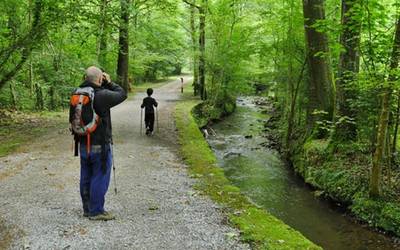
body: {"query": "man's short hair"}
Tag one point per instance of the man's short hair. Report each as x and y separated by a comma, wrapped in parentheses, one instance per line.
(93, 74)
(149, 91)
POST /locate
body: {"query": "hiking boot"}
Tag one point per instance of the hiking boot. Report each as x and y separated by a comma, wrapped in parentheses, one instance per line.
(105, 216)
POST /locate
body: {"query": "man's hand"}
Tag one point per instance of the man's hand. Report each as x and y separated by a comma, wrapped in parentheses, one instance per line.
(106, 82)
(107, 77)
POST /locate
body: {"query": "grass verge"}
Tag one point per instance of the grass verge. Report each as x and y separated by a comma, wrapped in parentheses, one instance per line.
(257, 226)
(17, 128)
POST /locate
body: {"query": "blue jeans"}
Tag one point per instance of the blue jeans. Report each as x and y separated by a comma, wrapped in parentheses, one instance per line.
(95, 179)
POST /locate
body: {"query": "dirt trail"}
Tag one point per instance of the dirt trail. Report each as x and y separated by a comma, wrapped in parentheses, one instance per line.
(156, 207)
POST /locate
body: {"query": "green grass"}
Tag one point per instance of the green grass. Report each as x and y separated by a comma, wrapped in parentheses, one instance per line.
(257, 226)
(19, 128)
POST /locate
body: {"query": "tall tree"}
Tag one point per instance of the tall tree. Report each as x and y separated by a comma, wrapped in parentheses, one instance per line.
(202, 47)
(320, 86)
(376, 170)
(102, 36)
(201, 86)
(195, 57)
(348, 68)
(123, 50)
(293, 91)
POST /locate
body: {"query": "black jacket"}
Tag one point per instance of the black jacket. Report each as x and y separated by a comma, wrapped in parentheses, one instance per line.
(105, 98)
(148, 104)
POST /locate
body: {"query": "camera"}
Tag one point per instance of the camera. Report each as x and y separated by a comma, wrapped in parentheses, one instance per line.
(104, 81)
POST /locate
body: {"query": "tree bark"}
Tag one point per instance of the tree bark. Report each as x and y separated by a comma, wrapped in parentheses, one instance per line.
(30, 69)
(320, 86)
(195, 51)
(292, 111)
(396, 129)
(292, 95)
(202, 44)
(102, 37)
(52, 93)
(348, 69)
(39, 97)
(376, 170)
(13, 95)
(123, 51)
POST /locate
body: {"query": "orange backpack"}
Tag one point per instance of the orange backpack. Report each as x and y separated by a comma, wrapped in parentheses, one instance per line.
(82, 117)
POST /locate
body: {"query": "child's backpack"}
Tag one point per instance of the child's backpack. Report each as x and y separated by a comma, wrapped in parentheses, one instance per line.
(82, 116)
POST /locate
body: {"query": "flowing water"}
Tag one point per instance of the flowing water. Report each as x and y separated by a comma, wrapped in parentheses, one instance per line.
(263, 177)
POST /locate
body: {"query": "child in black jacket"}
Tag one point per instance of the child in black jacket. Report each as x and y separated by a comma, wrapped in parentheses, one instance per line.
(148, 104)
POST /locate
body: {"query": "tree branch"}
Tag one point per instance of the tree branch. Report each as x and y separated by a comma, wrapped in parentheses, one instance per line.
(191, 4)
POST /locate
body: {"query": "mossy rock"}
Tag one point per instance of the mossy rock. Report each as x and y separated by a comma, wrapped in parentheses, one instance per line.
(207, 111)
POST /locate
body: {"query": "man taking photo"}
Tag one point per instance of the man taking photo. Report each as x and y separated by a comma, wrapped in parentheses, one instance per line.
(91, 125)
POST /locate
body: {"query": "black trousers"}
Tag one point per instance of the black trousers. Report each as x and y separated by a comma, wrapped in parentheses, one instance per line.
(149, 121)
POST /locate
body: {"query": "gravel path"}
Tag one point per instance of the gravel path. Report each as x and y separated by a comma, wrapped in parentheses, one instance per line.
(156, 207)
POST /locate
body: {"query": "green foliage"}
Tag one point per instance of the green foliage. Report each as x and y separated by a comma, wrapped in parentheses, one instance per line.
(340, 169)
(158, 46)
(70, 33)
(236, 58)
(378, 213)
(339, 178)
(208, 111)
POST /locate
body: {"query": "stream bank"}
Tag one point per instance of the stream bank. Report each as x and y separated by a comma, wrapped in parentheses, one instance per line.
(258, 227)
(242, 150)
(341, 174)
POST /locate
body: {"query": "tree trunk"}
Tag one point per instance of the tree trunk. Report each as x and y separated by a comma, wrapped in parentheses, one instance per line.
(376, 170)
(292, 111)
(52, 93)
(321, 96)
(292, 90)
(388, 159)
(102, 37)
(123, 51)
(194, 50)
(30, 69)
(39, 97)
(202, 44)
(13, 95)
(396, 129)
(348, 70)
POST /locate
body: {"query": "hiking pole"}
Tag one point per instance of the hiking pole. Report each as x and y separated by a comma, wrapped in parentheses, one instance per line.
(158, 127)
(112, 157)
(141, 120)
(115, 179)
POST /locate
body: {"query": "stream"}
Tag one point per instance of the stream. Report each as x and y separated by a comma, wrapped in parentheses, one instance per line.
(268, 182)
